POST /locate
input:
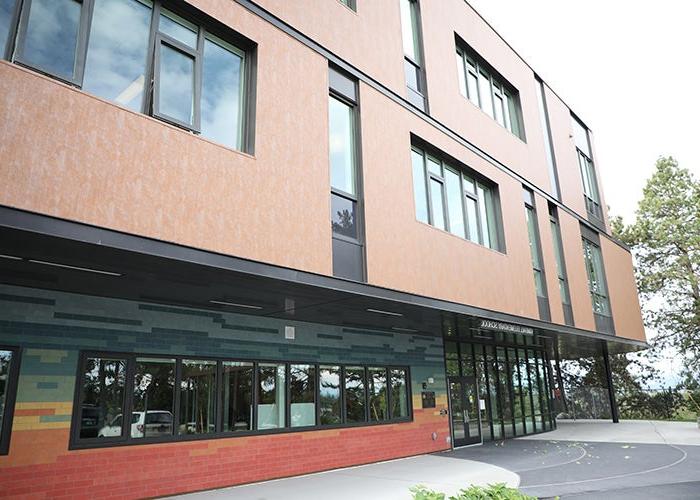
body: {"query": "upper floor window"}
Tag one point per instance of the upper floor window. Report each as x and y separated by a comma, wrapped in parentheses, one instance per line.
(455, 200)
(349, 3)
(585, 162)
(596, 277)
(9, 364)
(479, 83)
(533, 233)
(142, 56)
(413, 53)
(561, 265)
(547, 134)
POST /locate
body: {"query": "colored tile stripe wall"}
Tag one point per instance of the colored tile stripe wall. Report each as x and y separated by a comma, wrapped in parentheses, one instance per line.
(52, 327)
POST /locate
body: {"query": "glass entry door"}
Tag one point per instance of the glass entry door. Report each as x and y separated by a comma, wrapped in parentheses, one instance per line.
(464, 405)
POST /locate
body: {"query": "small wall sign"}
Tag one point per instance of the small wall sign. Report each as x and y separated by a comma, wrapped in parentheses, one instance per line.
(428, 399)
(499, 326)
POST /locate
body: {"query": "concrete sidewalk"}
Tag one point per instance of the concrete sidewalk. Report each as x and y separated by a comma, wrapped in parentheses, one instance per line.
(386, 480)
(627, 431)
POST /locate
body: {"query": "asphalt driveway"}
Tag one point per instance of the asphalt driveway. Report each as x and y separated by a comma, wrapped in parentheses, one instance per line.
(595, 470)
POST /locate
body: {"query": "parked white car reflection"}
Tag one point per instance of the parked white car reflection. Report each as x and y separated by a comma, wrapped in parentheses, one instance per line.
(143, 424)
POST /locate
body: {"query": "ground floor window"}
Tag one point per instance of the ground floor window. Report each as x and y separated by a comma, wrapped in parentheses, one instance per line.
(9, 371)
(514, 384)
(172, 398)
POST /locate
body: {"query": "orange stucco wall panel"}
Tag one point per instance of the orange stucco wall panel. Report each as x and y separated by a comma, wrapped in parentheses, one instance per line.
(622, 290)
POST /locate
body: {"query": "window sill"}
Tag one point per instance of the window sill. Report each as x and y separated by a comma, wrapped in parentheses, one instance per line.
(95, 443)
(465, 240)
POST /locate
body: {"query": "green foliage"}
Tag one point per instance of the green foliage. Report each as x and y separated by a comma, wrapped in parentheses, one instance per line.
(491, 492)
(665, 241)
(657, 405)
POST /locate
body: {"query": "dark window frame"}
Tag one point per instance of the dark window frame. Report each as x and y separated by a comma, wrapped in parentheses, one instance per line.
(10, 397)
(350, 4)
(562, 274)
(495, 234)
(499, 87)
(245, 48)
(591, 240)
(126, 440)
(416, 97)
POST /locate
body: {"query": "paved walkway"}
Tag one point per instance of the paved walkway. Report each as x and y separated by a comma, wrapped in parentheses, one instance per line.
(385, 480)
(582, 460)
(627, 431)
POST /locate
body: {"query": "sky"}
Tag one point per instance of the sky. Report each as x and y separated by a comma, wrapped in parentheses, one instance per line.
(630, 69)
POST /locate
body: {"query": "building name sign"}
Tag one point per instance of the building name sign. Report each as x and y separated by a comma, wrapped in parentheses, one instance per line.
(488, 324)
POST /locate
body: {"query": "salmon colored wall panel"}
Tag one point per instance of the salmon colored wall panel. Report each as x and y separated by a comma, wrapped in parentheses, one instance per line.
(565, 153)
(576, 272)
(440, 23)
(405, 254)
(622, 289)
(94, 162)
(369, 38)
(549, 260)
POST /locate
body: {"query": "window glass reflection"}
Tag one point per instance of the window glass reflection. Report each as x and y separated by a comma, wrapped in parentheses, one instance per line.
(355, 387)
(153, 401)
(117, 51)
(176, 27)
(102, 397)
(198, 397)
(176, 85)
(485, 93)
(271, 396)
(237, 385)
(52, 36)
(399, 394)
(377, 394)
(302, 389)
(329, 392)
(5, 361)
(342, 149)
(454, 202)
(437, 203)
(343, 216)
(222, 93)
(7, 8)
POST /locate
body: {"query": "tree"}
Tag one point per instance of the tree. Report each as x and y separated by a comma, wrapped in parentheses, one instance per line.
(665, 241)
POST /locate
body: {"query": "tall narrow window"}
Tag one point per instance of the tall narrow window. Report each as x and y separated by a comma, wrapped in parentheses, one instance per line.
(271, 396)
(547, 135)
(329, 395)
(536, 254)
(102, 398)
(348, 248)
(482, 85)
(378, 400)
(399, 393)
(355, 394)
(302, 395)
(588, 177)
(455, 201)
(8, 383)
(154, 398)
(413, 56)
(596, 282)
(198, 397)
(561, 265)
(237, 385)
(138, 54)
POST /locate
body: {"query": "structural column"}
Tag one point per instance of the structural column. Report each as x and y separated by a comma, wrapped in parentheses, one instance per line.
(611, 389)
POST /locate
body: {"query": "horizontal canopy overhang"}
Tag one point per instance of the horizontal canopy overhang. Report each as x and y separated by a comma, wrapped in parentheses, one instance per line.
(45, 252)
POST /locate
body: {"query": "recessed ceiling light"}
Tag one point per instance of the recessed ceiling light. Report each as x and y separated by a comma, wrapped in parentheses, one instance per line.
(75, 268)
(9, 257)
(388, 313)
(407, 330)
(233, 304)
